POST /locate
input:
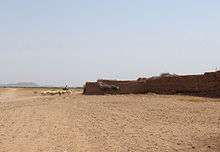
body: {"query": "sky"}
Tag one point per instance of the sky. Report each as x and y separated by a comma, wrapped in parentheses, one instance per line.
(58, 42)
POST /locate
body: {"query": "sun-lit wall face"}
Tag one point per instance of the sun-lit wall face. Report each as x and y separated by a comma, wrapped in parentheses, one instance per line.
(70, 42)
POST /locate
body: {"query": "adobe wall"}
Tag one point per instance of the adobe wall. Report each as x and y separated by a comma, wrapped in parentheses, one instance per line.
(92, 88)
(170, 85)
(134, 87)
(202, 85)
(207, 84)
(115, 82)
(218, 83)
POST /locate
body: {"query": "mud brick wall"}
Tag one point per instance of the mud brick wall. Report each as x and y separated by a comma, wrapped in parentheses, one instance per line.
(92, 88)
(207, 84)
(126, 87)
(134, 87)
(204, 85)
(171, 85)
(188, 84)
(114, 82)
(218, 83)
(161, 85)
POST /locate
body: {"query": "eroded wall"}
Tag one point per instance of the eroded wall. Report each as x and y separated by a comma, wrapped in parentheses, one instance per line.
(207, 84)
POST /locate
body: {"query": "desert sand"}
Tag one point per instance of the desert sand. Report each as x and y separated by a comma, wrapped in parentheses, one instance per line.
(30, 122)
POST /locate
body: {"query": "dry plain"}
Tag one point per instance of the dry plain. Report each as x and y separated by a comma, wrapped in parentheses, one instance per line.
(30, 122)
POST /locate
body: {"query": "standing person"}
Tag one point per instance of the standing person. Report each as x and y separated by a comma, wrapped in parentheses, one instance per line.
(66, 88)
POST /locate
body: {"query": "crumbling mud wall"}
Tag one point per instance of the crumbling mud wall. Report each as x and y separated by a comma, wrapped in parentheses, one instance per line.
(207, 84)
(134, 87)
(126, 87)
(92, 88)
(171, 85)
(115, 82)
(218, 83)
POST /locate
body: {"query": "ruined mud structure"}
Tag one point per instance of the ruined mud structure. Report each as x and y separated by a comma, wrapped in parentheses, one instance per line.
(207, 84)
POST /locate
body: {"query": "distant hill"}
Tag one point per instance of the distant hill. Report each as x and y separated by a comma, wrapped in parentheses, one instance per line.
(21, 84)
(33, 85)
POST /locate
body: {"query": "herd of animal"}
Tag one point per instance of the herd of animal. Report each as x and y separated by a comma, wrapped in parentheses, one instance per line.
(56, 92)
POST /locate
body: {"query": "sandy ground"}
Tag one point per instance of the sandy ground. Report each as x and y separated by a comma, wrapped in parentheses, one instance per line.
(71, 123)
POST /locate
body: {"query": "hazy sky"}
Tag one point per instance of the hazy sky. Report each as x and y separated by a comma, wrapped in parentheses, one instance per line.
(58, 41)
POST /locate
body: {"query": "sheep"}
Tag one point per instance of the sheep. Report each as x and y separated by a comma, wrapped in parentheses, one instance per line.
(55, 92)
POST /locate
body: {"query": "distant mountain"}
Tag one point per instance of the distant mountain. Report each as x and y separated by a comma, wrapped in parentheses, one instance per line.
(32, 85)
(21, 84)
